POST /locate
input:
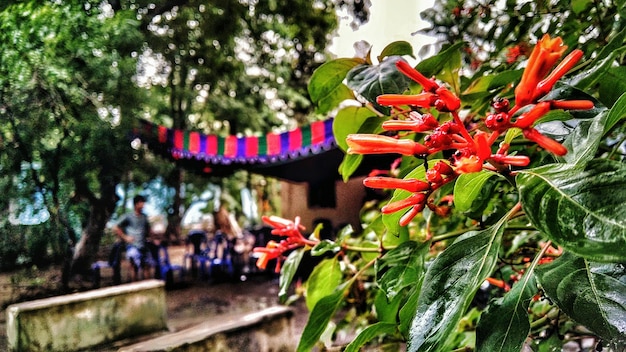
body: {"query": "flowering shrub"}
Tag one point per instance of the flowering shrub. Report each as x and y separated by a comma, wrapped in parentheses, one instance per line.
(505, 224)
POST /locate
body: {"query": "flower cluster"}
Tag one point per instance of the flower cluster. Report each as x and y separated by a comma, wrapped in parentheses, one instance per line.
(472, 150)
(293, 239)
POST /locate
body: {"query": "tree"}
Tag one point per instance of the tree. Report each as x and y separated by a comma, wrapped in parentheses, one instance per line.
(65, 99)
(229, 67)
(76, 75)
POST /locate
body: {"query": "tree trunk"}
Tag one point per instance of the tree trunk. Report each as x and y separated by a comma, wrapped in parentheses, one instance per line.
(86, 250)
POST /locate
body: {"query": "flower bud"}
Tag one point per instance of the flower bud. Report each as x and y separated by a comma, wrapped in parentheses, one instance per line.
(428, 84)
(410, 184)
(377, 144)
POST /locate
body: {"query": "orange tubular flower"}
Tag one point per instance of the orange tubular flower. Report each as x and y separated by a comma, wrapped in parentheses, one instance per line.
(543, 57)
(271, 251)
(469, 164)
(422, 100)
(450, 100)
(411, 185)
(571, 104)
(429, 85)
(377, 144)
(546, 85)
(545, 142)
(526, 120)
(414, 199)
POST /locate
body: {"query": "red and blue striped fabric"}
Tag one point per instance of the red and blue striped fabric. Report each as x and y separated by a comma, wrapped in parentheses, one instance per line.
(272, 147)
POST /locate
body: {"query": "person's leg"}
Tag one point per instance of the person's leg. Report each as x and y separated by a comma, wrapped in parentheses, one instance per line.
(134, 257)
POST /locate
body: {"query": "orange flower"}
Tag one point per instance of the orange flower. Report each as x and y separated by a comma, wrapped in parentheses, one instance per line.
(428, 84)
(377, 144)
(469, 164)
(543, 57)
(423, 100)
(545, 142)
(409, 184)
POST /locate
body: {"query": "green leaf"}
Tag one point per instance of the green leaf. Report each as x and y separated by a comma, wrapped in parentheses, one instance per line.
(505, 324)
(401, 267)
(386, 310)
(371, 81)
(616, 114)
(580, 207)
(391, 221)
(471, 192)
(349, 165)
(288, 270)
(578, 6)
(398, 48)
(593, 294)
(326, 87)
(320, 316)
(370, 333)
(324, 247)
(450, 284)
(612, 85)
(351, 120)
(435, 64)
(582, 143)
(488, 83)
(407, 312)
(326, 276)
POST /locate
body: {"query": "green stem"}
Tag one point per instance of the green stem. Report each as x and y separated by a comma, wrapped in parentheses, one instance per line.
(363, 249)
(452, 234)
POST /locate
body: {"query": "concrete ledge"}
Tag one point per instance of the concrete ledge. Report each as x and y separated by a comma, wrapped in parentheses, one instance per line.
(271, 329)
(86, 319)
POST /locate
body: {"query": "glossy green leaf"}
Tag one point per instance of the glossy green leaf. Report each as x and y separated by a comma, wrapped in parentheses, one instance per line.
(612, 85)
(349, 165)
(484, 85)
(580, 207)
(368, 334)
(288, 270)
(325, 246)
(435, 64)
(616, 114)
(391, 221)
(326, 87)
(399, 48)
(407, 312)
(401, 267)
(593, 294)
(583, 142)
(471, 191)
(370, 81)
(324, 279)
(505, 325)
(450, 284)
(321, 314)
(386, 310)
(351, 120)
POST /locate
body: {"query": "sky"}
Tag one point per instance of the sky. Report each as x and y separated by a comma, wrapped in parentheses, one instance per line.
(390, 20)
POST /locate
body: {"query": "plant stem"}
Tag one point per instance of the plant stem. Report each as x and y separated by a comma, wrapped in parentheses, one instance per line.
(452, 234)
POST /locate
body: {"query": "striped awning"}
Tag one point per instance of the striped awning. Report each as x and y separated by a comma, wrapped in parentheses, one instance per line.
(213, 149)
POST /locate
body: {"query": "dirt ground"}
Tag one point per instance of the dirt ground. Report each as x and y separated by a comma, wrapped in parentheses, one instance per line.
(189, 302)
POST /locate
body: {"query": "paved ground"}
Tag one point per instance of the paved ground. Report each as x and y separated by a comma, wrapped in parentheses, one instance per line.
(190, 302)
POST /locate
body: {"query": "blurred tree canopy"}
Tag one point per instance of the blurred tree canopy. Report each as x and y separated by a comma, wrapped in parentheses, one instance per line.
(75, 75)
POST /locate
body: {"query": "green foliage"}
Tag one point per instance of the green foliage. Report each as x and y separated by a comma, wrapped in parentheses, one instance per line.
(554, 228)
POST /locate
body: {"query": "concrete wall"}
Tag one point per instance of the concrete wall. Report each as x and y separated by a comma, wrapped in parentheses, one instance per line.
(267, 330)
(349, 197)
(86, 319)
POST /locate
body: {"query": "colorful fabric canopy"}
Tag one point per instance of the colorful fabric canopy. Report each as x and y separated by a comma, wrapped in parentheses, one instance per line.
(270, 148)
